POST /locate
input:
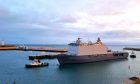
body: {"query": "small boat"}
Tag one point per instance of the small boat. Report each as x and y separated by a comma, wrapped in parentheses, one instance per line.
(36, 63)
(133, 55)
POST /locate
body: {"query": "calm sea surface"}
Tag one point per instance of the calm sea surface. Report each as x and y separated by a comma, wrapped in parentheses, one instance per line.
(12, 67)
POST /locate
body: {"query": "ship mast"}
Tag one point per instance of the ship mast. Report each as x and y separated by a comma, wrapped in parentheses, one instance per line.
(78, 41)
(99, 41)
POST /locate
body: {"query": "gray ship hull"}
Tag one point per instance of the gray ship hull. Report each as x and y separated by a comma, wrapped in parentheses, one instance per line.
(69, 59)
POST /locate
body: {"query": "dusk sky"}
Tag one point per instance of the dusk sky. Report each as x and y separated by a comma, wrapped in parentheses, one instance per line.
(62, 21)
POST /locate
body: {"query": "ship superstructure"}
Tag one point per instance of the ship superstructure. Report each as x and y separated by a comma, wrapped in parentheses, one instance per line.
(81, 49)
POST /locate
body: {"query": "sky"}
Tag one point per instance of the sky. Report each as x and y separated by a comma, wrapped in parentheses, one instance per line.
(62, 21)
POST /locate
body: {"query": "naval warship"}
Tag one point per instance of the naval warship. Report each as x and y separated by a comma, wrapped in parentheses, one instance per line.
(80, 52)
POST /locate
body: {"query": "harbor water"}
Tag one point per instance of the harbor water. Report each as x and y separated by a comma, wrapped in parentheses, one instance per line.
(12, 68)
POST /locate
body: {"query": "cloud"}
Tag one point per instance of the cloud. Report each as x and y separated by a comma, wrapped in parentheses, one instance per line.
(27, 21)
